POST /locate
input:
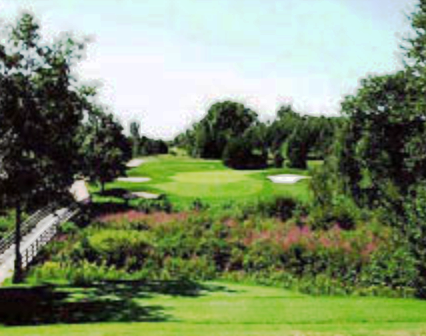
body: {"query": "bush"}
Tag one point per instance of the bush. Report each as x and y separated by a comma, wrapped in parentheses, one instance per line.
(414, 229)
(122, 249)
(254, 246)
(161, 204)
(279, 207)
(80, 274)
(7, 222)
(384, 268)
(199, 205)
(68, 228)
(342, 211)
(195, 268)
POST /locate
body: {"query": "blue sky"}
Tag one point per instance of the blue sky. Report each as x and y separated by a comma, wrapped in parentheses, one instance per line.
(164, 62)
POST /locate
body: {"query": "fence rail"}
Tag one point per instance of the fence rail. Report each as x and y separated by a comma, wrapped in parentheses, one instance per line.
(32, 250)
(27, 226)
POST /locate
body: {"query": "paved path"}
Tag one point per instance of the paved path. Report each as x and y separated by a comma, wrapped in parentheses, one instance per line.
(8, 258)
(135, 163)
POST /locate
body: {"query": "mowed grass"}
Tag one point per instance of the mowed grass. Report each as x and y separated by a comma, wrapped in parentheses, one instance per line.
(217, 309)
(185, 179)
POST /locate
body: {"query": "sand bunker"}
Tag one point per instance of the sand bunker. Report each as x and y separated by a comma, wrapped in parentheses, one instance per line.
(134, 163)
(142, 194)
(286, 178)
(134, 179)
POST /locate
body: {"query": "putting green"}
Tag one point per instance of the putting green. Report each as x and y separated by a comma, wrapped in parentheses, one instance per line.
(213, 177)
(185, 179)
(213, 184)
(212, 190)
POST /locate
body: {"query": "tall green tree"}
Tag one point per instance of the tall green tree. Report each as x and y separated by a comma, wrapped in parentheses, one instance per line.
(282, 127)
(382, 150)
(223, 122)
(40, 112)
(105, 149)
(136, 137)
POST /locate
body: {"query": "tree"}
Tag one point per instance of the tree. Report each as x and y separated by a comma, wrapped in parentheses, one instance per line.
(40, 112)
(105, 150)
(297, 147)
(223, 122)
(136, 136)
(282, 127)
(382, 152)
(239, 154)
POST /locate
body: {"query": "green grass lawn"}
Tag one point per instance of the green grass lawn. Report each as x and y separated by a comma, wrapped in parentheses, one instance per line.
(211, 309)
(184, 179)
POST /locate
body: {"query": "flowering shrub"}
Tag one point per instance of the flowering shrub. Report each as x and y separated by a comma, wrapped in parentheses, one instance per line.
(199, 245)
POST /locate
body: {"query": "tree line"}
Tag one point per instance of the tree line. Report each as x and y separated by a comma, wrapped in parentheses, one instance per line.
(142, 145)
(232, 132)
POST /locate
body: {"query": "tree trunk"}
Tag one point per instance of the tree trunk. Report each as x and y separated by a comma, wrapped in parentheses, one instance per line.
(18, 274)
(102, 188)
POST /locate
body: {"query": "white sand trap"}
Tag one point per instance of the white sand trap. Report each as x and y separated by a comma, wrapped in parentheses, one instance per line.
(287, 178)
(134, 163)
(134, 179)
(145, 195)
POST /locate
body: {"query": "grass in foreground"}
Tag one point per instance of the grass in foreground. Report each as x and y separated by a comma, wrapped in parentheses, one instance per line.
(185, 308)
(185, 179)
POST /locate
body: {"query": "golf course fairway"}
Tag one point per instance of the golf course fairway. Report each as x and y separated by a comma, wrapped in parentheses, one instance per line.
(216, 309)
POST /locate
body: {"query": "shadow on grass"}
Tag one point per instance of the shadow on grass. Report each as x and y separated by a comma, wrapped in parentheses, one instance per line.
(119, 301)
(113, 192)
(104, 208)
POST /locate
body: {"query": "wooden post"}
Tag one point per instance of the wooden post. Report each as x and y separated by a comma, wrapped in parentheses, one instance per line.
(18, 274)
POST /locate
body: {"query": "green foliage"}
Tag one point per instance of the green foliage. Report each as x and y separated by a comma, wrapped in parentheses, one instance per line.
(378, 155)
(206, 245)
(341, 211)
(6, 222)
(385, 268)
(163, 203)
(149, 146)
(41, 110)
(224, 121)
(196, 267)
(240, 154)
(37, 156)
(121, 249)
(297, 149)
(81, 274)
(105, 150)
(414, 229)
(68, 228)
(279, 207)
(232, 132)
(135, 137)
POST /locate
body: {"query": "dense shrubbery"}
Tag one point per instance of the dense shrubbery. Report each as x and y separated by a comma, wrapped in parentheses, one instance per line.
(234, 243)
